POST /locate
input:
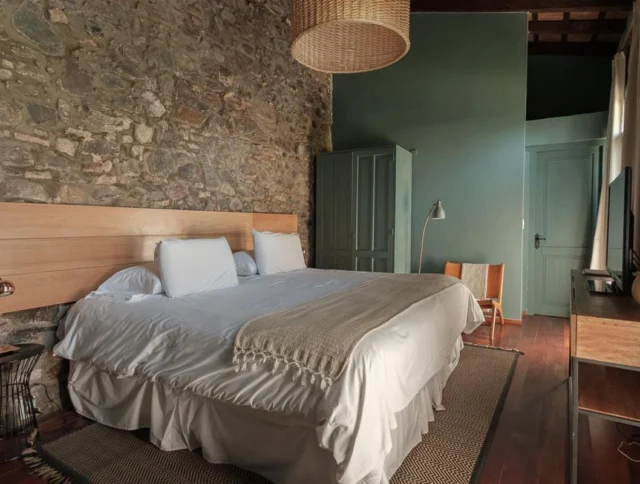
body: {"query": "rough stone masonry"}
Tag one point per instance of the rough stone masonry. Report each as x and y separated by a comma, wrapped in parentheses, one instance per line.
(193, 104)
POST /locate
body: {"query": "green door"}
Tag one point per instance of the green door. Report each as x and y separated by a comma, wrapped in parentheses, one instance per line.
(373, 210)
(333, 212)
(563, 192)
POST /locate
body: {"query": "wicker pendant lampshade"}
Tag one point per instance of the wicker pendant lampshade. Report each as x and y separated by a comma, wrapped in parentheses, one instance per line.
(345, 36)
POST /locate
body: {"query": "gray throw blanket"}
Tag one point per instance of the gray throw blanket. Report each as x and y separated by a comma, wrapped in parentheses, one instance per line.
(315, 339)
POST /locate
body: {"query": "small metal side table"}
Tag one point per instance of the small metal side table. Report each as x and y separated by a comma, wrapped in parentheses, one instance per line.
(17, 410)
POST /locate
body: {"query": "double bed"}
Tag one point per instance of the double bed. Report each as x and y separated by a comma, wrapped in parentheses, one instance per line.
(167, 364)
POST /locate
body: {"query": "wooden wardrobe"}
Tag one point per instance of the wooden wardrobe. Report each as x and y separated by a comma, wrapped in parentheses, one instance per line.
(363, 210)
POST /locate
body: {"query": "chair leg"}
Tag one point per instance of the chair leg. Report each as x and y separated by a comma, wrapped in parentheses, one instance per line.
(501, 316)
(493, 324)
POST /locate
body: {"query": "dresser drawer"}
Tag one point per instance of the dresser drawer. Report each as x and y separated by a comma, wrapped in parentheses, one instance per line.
(607, 340)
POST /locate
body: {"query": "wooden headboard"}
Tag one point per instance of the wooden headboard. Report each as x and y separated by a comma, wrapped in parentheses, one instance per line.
(56, 254)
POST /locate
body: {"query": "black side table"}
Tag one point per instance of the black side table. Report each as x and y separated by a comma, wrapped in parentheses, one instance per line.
(17, 411)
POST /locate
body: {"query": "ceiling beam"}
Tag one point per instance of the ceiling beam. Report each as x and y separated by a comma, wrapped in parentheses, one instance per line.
(578, 27)
(519, 5)
(596, 49)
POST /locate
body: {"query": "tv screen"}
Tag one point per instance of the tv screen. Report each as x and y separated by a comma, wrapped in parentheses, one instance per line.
(619, 229)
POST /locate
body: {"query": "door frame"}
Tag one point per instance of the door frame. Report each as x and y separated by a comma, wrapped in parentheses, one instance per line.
(528, 259)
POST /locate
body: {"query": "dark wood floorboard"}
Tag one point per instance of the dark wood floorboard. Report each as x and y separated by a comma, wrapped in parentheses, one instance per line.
(530, 445)
(531, 442)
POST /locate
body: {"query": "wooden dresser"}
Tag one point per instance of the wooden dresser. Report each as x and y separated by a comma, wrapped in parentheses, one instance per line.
(605, 359)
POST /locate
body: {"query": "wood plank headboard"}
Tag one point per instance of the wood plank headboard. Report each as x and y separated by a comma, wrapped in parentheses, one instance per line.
(56, 254)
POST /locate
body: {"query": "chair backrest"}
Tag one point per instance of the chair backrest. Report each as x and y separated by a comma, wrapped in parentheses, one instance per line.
(495, 277)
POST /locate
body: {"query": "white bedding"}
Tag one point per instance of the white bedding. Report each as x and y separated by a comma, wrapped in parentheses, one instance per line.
(186, 343)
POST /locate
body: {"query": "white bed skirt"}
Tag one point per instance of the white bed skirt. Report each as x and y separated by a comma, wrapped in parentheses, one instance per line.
(284, 449)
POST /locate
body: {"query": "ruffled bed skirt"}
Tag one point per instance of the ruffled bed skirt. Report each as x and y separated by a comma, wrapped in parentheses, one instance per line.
(284, 449)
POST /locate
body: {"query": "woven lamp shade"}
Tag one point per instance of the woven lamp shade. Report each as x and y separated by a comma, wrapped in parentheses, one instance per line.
(345, 36)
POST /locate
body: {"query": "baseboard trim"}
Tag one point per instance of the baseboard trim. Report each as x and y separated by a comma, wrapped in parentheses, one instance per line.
(513, 322)
(510, 322)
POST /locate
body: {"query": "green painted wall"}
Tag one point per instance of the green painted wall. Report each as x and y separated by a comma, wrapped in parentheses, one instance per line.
(567, 85)
(567, 129)
(459, 98)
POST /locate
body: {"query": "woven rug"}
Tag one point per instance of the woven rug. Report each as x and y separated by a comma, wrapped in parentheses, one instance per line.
(452, 452)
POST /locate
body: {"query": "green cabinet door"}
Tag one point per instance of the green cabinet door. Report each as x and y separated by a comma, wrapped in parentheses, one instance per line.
(363, 210)
(373, 210)
(333, 212)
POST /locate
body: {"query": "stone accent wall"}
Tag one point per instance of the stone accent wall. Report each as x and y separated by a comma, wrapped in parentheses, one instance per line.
(193, 104)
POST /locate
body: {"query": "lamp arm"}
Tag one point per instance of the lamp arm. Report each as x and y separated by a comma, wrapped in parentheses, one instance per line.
(424, 229)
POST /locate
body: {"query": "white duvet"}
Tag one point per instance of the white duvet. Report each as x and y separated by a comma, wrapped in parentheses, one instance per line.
(187, 343)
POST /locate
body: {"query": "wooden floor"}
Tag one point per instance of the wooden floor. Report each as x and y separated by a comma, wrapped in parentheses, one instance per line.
(530, 445)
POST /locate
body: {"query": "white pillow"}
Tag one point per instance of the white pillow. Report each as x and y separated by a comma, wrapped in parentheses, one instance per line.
(133, 280)
(197, 265)
(245, 265)
(277, 253)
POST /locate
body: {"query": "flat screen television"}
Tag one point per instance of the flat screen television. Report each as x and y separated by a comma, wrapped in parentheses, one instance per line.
(620, 232)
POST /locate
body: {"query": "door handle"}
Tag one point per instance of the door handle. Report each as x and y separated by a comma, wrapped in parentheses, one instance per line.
(537, 240)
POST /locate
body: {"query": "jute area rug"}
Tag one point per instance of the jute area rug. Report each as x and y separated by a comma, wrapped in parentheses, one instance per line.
(452, 452)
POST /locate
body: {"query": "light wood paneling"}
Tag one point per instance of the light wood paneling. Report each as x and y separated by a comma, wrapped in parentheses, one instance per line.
(59, 253)
(584, 15)
(274, 222)
(35, 221)
(604, 328)
(608, 340)
(43, 255)
(56, 287)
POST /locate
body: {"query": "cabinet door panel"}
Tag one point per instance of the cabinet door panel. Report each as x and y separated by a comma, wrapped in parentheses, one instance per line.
(382, 265)
(343, 263)
(365, 201)
(364, 264)
(382, 210)
(333, 212)
(373, 211)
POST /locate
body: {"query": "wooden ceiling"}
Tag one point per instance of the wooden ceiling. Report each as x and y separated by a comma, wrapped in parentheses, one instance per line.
(556, 27)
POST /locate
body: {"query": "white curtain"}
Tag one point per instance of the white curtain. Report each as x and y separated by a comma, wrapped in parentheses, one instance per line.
(612, 158)
(631, 140)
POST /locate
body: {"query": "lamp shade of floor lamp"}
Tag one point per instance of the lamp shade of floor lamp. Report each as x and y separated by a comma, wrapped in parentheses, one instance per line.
(436, 213)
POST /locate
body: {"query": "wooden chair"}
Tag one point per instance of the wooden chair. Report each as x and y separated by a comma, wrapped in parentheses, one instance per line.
(492, 306)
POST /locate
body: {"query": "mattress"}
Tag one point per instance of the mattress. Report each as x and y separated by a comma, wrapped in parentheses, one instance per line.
(187, 344)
